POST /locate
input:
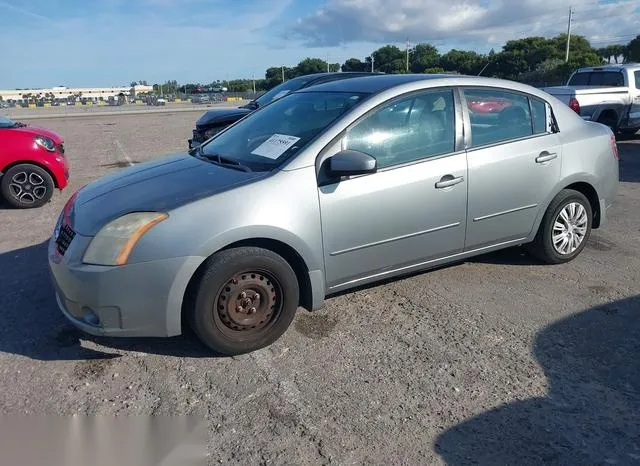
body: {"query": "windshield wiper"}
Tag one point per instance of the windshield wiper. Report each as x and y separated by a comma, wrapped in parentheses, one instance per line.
(224, 161)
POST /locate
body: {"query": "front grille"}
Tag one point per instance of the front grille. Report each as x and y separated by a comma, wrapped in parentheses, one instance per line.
(64, 238)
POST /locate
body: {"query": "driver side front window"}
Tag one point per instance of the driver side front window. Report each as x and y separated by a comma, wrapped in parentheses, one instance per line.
(407, 129)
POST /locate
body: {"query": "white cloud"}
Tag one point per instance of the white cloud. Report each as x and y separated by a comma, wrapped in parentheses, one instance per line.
(461, 21)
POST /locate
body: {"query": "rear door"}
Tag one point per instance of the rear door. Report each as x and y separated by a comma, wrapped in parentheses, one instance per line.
(514, 157)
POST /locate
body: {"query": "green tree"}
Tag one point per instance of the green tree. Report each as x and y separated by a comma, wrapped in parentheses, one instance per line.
(462, 61)
(389, 59)
(354, 64)
(423, 57)
(633, 50)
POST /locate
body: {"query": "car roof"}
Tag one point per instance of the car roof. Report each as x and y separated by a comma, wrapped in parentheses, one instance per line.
(608, 67)
(373, 84)
(333, 76)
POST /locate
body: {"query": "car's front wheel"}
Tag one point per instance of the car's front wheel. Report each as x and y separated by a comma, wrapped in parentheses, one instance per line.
(27, 186)
(565, 228)
(245, 300)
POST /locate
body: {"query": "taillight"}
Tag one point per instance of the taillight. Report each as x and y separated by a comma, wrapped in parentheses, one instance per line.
(614, 147)
(574, 105)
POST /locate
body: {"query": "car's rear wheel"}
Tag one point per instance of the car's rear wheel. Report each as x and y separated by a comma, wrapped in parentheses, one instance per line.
(27, 186)
(244, 301)
(565, 228)
(609, 119)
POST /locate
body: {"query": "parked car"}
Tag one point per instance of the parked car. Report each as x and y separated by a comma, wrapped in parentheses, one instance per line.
(607, 94)
(32, 164)
(328, 188)
(217, 119)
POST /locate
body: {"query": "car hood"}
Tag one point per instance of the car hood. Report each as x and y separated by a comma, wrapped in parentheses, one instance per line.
(216, 115)
(159, 185)
(38, 131)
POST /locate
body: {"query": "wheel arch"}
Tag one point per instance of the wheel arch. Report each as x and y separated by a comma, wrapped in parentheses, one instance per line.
(10, 165)
(286, 251)
(592, 195)
(580, 184)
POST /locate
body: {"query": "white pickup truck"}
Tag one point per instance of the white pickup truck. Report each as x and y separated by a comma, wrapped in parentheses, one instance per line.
(608, 94)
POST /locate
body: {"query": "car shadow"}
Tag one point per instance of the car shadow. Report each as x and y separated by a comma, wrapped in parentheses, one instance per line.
(31, 324)
(591, 413)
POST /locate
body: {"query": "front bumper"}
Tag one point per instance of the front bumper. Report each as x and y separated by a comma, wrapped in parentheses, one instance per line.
(135, 300)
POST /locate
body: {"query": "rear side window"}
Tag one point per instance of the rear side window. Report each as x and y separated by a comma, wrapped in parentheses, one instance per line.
(637, 79)
(497, 116)
(539, 116)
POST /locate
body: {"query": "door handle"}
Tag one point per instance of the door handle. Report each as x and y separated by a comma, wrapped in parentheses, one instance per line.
(448, 181)
(546, 156)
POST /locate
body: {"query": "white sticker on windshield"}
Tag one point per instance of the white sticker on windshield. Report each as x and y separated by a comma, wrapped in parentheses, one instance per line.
(275, 146)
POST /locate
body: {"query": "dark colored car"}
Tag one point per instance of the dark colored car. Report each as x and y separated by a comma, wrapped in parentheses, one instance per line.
(215, 120)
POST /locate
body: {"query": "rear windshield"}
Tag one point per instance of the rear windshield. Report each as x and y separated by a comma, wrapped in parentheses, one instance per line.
(597, 78)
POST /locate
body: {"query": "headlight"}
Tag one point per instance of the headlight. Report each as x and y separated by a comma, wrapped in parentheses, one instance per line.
(45, 143)
(115, 241)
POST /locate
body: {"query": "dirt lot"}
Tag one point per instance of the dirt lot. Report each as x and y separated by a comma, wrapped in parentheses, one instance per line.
(499, 360)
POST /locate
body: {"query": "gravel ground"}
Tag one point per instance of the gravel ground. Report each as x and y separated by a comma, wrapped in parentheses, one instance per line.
(498, 360)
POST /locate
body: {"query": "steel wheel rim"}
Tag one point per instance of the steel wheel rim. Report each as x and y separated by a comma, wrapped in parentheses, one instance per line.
(27, 187)
(569, 228)
(247, 304)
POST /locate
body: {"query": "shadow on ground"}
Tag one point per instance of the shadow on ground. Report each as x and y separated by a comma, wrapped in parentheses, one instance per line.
(31, 324)
(591, 414)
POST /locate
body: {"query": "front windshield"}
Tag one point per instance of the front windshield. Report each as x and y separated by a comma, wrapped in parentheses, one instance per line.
(265, 138)
(280, 91)
(6, 122)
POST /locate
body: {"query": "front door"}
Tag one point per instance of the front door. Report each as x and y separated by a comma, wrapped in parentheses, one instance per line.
(413, 210)
(514, 160)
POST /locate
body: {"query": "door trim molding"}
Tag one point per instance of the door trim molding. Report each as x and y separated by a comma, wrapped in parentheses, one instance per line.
(422, 265)
(396, 238)
(510, 211)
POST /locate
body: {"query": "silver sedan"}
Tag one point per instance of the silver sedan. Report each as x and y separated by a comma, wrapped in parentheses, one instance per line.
(329, 188)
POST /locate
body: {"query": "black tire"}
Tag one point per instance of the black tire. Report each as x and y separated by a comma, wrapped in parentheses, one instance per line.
(543, 245)
(27, 186)
(610, 120)
(215, 314)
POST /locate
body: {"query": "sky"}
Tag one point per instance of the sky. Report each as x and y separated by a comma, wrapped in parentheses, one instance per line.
(47, 43)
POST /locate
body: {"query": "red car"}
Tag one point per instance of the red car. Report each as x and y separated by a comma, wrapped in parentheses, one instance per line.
(32, 164)
(493, 105)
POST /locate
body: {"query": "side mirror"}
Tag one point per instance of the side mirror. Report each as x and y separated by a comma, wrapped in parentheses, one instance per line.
(350, 163)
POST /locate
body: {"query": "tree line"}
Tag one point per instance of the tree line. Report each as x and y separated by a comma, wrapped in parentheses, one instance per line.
(533, 60)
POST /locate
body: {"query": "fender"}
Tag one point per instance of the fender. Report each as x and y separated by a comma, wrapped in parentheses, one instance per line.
(312, 259)
(569, 180)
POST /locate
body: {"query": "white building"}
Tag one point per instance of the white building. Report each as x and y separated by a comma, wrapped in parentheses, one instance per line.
(63, 93)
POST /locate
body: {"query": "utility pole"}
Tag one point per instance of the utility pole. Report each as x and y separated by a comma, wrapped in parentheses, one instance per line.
(283, 74)
(407, 54)
(327, 62)
(253, 79)
(566, 59)
(372, 63)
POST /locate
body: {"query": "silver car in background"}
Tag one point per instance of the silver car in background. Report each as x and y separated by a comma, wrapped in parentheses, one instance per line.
(329, 188)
